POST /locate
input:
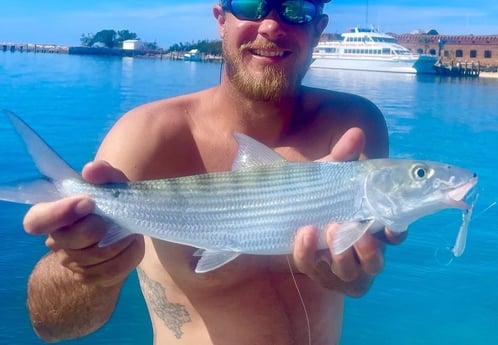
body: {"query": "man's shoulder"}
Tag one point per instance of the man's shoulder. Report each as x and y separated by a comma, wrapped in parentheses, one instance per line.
(168, 117)
(340, 111)
(338, 99)
(342, 108)
(151, 134)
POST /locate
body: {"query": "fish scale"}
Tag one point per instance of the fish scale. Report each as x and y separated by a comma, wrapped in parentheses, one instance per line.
(215, 210)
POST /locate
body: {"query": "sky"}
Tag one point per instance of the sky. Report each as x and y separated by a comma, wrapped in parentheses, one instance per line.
(169, 22)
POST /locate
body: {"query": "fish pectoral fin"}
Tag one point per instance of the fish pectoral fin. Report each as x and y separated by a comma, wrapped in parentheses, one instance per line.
(114, 234)
(213, 259)
(349, 233)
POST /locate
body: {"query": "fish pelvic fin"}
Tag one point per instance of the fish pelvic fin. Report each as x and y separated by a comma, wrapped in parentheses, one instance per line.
(213, 259)
(252, 153)
(349, 233)
(48, 162)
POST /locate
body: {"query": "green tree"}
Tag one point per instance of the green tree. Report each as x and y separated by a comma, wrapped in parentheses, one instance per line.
(86, 40)
(106, 37)
(151, 46)
(123, 35)
(204, 46)
(109, 38)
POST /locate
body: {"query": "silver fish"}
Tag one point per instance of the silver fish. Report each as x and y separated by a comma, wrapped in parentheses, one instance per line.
(258, 206)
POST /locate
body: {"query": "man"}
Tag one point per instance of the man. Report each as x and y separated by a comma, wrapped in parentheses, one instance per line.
(267, 48)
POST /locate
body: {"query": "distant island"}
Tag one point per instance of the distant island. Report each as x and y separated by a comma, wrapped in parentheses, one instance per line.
(452, 50)
(127, 40)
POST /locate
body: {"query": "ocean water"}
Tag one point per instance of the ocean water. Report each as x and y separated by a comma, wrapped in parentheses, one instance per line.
(419, 298)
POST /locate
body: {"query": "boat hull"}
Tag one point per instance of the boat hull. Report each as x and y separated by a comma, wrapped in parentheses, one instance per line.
(419, 64)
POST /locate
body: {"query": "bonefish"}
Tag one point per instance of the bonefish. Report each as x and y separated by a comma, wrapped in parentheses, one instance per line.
(257, 207)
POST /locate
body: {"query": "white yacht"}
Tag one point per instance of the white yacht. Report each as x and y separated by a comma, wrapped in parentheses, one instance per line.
(370, 50)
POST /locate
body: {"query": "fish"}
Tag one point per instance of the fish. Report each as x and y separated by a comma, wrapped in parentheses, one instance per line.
(258, 206)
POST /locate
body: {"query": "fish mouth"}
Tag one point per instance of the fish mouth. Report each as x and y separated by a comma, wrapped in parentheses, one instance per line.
(460, 196)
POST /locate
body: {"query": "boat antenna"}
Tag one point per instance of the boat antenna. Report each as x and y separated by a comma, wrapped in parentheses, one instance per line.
(366, 16)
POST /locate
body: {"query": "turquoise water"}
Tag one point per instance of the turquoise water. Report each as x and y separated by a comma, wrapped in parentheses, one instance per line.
(418, 299)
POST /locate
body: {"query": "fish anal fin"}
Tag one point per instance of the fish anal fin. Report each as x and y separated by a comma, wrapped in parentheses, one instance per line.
(114, 234)
(347, 234)
(213, 259)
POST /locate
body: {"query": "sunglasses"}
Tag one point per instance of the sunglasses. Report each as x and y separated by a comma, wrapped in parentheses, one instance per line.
(290, 11)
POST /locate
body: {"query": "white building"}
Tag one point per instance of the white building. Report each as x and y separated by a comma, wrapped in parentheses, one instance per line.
(133, 45)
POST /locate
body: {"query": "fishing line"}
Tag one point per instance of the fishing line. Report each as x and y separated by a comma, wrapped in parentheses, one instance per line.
(221, 68)
(301, 299)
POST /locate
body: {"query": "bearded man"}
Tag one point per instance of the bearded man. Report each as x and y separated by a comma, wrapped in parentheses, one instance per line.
(267, 49)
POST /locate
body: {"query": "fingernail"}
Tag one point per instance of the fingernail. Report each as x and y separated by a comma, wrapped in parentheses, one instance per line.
(84, 207)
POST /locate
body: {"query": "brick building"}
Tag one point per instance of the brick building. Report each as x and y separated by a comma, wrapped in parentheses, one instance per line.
(482, 49)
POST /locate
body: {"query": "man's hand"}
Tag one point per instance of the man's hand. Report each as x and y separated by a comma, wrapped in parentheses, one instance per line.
(73, 234)
(353, 270)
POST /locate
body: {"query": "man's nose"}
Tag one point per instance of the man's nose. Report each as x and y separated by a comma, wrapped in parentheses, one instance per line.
(272, 26)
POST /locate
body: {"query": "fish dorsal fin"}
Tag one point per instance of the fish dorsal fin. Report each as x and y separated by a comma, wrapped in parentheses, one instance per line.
(46, 159)
(252, 153)
(213, 259)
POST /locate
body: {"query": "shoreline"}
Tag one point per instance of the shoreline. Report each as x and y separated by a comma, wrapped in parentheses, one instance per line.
(488, 75)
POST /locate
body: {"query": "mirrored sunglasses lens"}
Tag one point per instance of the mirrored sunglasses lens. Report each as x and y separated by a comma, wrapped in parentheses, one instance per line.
(249, 9)
(298, 11)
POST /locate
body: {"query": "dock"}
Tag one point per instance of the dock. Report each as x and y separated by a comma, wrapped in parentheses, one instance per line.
(459, 69)
(33, 48)
(101, 51)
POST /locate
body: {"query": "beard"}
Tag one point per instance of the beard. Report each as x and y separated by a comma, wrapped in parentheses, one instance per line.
(271, 84)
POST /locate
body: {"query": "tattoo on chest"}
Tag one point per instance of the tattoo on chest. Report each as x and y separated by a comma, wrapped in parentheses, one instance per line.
(174, 315)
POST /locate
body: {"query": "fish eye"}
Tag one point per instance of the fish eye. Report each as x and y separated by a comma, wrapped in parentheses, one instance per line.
(420, 172)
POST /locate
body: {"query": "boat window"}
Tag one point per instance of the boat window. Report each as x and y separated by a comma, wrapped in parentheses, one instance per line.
(386, 51)
(402, 52)
(384, 39)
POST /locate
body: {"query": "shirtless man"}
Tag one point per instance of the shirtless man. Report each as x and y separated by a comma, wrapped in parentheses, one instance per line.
(267, 47)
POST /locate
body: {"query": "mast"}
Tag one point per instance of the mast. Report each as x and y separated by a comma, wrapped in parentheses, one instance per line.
(366, 17)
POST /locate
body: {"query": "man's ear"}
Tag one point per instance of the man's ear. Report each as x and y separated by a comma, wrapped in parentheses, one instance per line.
(219, 15)
(320, 25)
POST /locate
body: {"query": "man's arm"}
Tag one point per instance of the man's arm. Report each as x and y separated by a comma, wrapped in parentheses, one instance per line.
(73, 290)
(61, 307)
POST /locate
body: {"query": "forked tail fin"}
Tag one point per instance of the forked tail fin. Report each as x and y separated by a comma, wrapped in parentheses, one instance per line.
(49, 163)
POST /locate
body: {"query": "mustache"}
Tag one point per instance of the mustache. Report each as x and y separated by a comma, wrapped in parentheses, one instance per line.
(265, 45)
